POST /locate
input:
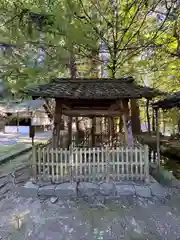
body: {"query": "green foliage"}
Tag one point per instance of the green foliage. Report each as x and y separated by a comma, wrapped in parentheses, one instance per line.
(138, 43)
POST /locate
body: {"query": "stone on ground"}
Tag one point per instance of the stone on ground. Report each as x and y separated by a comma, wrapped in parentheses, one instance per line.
(65, 190)
(88, 189)
(48, 190)
(107, 189)
(143, 191)
(125, 190)
(29, 190)
(158, 191)
(54, 199)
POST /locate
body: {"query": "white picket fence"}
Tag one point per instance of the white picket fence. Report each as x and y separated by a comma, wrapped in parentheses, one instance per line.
(91, 164)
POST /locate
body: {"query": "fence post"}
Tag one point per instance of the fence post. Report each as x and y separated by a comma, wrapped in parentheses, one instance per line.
(34, 162)
(146, 163)
(71, 161)
(107, 163)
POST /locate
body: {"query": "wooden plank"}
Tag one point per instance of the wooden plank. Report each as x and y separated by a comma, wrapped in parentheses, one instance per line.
(39, 161)
(107, 163)
(146, 163)
(131, 162)
(136, 161)
(48, 162)
(91, 112)
(127, 163)
(52, 165)
(44, 154)
(141, 163)
(34, 162)
(122, 161)
(57, 165)
(80, 163)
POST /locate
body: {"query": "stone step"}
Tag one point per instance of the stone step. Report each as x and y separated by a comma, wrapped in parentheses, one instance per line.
(86, 189)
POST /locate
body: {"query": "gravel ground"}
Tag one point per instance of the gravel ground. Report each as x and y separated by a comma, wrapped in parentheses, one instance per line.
(56, 219)
(128, 218)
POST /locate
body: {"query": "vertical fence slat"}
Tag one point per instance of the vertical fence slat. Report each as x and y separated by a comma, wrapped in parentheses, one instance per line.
(98, 164)
(48, 162)
(113, 162)
(141, 163)
(131, 162)
(146, 163)
(107, 163)
(102, 162)
(127, 163)
(85, 164)
(94, 164)
(80, 163)
(65, 165)
(34, 162)
(136, 161)
(89, 164)
(57, 165)
(76, 164)
(52, 164)
(39, 161)
(72, 151)
(122, 160)
(44, 160)
(118, 162)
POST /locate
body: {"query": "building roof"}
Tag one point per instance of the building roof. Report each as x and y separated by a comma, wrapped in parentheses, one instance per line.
(171, 101)
(93, 89)
(26, 106)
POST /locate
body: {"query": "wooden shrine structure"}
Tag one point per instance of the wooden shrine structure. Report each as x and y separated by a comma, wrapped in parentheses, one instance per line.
(91, 98)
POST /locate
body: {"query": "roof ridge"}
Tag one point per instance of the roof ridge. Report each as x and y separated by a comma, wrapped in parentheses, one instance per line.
(88, 80)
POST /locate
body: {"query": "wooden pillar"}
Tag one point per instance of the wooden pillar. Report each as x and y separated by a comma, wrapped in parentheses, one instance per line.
(57, 124)
(157, 137)
(69, 131)
(101, 130)
(77, 131)
(109, 130)
(127, 123)
(153, 120)
(93, 131)
(135, 116)
(148, 117)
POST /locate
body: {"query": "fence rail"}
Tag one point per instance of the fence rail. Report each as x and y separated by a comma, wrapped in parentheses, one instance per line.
(91, 164)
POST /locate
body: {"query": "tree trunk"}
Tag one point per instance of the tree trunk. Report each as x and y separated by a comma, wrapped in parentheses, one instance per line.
(57, 123)
(94, 74)
(148, 117)
(153, 121)
(135, 117)
(178, 124)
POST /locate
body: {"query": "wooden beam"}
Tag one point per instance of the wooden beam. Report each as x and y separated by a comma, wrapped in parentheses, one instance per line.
(87, 113)
(157, 137)
(69, 132)
(65, 107)
(116, 106)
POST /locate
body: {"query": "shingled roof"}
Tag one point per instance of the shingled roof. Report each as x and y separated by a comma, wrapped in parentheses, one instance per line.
(93, 89)
(171, 101)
